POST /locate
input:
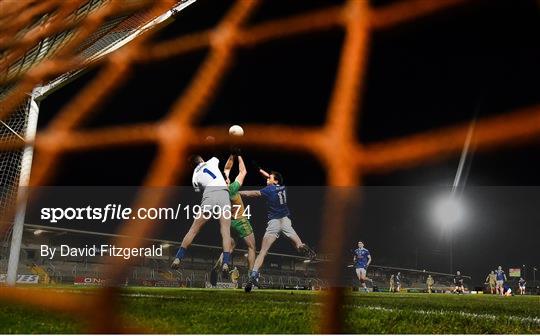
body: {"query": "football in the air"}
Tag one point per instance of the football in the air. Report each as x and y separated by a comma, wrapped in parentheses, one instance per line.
(236, 130)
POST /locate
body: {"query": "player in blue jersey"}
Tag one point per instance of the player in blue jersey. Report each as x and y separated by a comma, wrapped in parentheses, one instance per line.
(507, 290)
(279, 222)
(362, 259)
(459, 285)
(501, 278)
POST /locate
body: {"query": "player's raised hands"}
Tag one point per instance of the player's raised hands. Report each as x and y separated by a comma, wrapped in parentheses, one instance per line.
(235, 150)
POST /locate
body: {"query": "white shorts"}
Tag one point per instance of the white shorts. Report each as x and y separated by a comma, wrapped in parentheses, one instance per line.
(500, 283)
(281, 225)
(215, 197)
(361, 272)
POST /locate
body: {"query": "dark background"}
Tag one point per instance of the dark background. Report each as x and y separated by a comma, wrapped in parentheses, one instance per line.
(422, 75)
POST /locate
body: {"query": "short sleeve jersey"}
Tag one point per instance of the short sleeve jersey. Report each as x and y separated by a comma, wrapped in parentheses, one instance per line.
(362, 257)
(237, 205)
(492, 278)
(207, 174)
(276, 201)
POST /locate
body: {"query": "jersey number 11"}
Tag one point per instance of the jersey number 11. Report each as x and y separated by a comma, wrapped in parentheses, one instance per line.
(282, 197)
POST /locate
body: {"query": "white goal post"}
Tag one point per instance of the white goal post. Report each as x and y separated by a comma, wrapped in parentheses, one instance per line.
(22, 194)
(99, 48)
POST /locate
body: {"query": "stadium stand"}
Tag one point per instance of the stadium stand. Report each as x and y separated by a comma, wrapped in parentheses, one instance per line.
(282, 271)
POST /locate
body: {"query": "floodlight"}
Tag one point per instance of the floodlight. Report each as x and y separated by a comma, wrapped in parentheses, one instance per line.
(448, 211)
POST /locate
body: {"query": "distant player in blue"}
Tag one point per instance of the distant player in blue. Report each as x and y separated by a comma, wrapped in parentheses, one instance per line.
(501, 278)
(507, 290)
(459, 285)
(275, 194)
(362, 259)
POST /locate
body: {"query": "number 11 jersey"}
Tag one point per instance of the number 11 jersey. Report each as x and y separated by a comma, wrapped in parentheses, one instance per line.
(276, 201)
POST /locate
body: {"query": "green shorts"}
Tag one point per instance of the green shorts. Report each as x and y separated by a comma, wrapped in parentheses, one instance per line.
(242, 227)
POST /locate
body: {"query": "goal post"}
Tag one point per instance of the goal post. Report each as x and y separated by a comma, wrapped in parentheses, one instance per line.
(32, 108)
(15, 166)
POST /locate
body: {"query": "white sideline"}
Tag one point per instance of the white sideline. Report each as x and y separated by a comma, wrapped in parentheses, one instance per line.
(528, 319)
(520, 319)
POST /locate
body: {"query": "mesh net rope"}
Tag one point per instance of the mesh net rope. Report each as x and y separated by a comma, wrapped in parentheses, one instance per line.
(344, 159)
(11, 130)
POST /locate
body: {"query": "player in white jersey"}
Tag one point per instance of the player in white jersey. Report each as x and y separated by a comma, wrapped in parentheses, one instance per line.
(208, 178)
(522, 286)
(207, 175)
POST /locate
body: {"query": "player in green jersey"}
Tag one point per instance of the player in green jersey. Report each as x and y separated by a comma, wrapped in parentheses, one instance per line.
(240, 214)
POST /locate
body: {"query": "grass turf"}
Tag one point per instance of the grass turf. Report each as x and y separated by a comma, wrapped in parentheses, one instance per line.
(171, 310)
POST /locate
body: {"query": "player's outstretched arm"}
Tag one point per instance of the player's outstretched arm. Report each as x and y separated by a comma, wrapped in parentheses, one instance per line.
(368, 260)
(250, 193)
(264, 173)
(228, 165)
(242, 171)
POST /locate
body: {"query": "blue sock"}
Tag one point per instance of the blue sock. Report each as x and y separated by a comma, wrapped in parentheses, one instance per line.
(255, 274)
(227, 258)
(181, 253)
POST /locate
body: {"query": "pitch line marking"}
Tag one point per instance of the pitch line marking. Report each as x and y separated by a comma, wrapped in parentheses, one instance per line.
(527, 319)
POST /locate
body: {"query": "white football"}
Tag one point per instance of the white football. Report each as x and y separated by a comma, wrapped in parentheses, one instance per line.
(236, 130)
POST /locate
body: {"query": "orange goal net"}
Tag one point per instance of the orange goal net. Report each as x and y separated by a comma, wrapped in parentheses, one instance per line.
(43, 41)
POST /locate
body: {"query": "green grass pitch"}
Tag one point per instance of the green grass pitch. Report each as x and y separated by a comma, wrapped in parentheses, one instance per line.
(172, 310)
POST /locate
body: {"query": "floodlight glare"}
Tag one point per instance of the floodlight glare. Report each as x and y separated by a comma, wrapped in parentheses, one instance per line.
(448, 211)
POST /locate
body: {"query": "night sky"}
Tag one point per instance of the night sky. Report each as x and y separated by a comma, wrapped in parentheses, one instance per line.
(423, 75)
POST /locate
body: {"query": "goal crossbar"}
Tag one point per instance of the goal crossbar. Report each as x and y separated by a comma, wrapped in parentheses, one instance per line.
(32, 111)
